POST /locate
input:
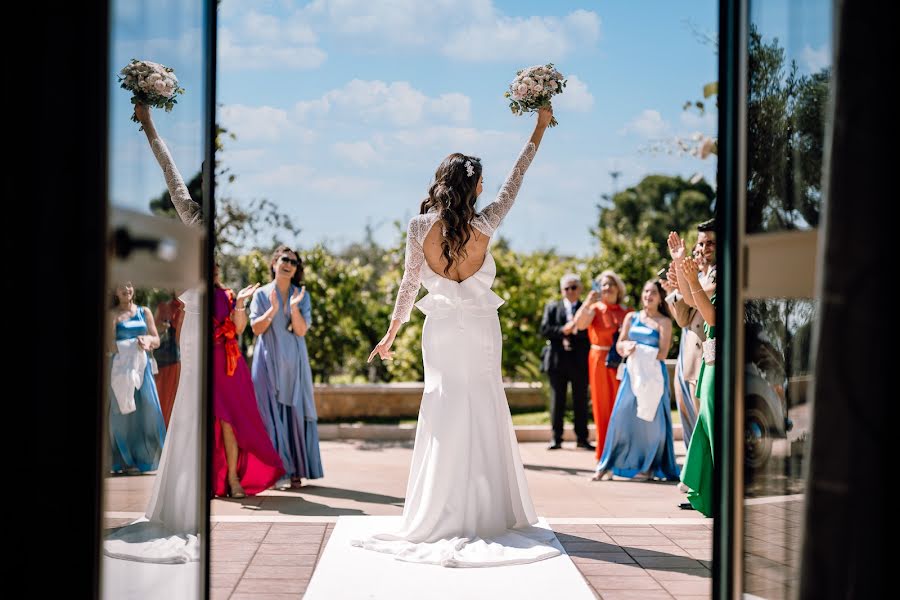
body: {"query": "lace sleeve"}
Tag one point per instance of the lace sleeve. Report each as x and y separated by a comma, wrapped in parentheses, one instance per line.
(488, 220)
(189, 211)
(412, 273)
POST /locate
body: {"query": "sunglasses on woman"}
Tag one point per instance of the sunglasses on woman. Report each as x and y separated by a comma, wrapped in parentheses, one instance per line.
(289, 260)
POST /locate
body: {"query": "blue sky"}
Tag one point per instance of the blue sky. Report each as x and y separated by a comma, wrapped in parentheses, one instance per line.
(344, 109)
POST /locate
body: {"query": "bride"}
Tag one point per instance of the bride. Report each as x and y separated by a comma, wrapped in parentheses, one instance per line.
(467, 500)
(168, 533)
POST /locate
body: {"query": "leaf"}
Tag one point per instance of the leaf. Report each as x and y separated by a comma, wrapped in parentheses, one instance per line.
(711, 89)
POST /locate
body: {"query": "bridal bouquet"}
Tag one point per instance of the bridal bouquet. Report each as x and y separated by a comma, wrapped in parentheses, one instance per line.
(533, 87)
(151, 83)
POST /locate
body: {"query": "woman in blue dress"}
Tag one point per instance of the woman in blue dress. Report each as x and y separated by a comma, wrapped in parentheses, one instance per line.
(280, 316)
(137, 430)
(639, 439)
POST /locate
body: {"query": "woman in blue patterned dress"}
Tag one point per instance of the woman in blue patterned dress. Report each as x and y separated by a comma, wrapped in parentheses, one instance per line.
(280, 316)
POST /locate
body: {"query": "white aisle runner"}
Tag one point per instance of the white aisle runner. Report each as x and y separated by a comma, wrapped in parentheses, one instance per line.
(347, 573)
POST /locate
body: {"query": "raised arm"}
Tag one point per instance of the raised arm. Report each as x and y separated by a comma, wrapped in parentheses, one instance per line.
(239, 312)
(409, 286)
(677, 250)
(700, 293)
(586, 312)
(488, 220)
(189, 211)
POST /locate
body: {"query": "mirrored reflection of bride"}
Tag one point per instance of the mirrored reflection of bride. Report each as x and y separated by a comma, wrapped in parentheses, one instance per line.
(168, 532)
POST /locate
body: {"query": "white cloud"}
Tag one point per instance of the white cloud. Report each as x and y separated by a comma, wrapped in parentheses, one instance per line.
(397, 103)
(188, 44)
(706, 123)
(260, 27)
(359, 153)
(347, 186)
(456, 139)
(255, 40)
(399, 22)
(298, 178)
(575, 97)
(255, 123)
(523, 38)
(250, 158)
(455, 106)
(816, 59)
(649, 124)
(585, 23)
(460, 29)
(290, 175)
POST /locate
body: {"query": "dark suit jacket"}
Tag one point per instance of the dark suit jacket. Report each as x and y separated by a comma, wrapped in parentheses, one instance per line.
(551, 328)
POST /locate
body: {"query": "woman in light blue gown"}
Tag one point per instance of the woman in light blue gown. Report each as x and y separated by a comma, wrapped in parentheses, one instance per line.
(136, 437)
(280, 316)
(637, 447)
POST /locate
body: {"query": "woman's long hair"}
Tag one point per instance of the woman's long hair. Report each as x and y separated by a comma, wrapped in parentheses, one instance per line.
(453, 195)
(663, 307)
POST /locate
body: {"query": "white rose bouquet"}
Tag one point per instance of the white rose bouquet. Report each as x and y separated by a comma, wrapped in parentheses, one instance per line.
(533, 87)
(150, 83)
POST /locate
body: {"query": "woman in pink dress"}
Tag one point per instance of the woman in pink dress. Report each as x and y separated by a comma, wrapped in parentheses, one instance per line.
(244, 460)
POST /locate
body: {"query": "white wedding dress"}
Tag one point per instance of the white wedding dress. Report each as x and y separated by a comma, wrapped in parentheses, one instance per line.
(467, 500)
(168, 532)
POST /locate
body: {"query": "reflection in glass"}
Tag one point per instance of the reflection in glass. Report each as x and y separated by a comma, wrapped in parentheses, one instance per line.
(789, 73)
(136, 425)
(776, 436)
(788, 78)
(154, 493)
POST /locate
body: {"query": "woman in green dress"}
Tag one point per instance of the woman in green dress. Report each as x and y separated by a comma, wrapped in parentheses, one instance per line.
(697, 473)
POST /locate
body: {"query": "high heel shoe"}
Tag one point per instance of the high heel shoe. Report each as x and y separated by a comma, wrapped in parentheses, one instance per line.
(235, 488)
(604, 475)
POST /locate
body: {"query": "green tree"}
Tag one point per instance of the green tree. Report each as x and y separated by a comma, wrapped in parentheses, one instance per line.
(341, 308)
(655, 206)
(785, 121)
(526, 282)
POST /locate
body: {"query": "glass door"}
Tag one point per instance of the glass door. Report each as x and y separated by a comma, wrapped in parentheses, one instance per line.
(776, 68)
(155, 499)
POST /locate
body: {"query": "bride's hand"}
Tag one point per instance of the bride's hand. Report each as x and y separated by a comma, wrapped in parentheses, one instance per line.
(142, 112)
(383, 349)
(545, 114)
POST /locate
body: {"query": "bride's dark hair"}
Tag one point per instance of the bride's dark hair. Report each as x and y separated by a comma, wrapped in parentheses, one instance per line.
(453, 195)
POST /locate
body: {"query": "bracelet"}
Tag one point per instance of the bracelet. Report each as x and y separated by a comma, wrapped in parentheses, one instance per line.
(693, 291)
(241, 309)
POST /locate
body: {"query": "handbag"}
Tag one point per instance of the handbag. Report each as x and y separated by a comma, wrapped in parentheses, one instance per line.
(168, 352)
(709, 351)
(613, 358)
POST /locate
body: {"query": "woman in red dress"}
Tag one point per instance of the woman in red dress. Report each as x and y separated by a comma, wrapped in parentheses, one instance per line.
(244, 460)
(602, 316)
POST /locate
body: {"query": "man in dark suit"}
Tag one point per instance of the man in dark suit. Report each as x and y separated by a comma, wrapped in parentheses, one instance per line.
(565, 360)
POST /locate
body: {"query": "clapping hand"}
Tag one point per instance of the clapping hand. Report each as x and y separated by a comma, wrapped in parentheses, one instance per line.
(676, 246)
(245, 293)
(297, 296)
(671, 278)
(689, 269)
